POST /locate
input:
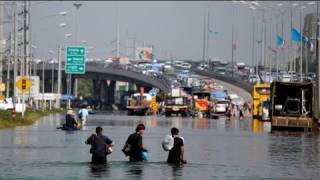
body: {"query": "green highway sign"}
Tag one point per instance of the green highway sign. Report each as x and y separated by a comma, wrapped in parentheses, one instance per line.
(75, 60)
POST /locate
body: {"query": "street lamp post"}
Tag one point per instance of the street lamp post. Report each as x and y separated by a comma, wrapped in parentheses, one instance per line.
(301, 43)
(232, 43)
(43, 79)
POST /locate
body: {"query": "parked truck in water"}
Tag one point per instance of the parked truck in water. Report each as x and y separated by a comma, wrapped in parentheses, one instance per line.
(291, 105)
(138, 104)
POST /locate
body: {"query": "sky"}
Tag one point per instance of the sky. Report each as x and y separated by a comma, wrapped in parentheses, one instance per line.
(175, 29)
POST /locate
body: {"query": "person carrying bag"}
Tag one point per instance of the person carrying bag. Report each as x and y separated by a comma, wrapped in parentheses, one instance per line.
(100, 146)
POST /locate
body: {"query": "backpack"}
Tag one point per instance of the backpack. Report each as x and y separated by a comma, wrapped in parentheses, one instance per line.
(126, 149)
(167, 143)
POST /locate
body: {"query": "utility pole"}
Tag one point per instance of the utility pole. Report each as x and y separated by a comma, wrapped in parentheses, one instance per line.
(207, 37)
(2, 40)
(9, 64)
(59, 76)
(232, 43)
(204, 38)
(26, 35)
(253, 39)
(317, 60)
(264, 30)
(270, 45)
(77, 6)
(15, 50)
(118, 33)
(301, 47)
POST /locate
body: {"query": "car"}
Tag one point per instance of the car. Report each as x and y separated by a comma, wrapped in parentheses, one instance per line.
(6, 104)
(232, 96)
(285, 78)
(221, 106)
(217, 87)
(186, 65)
(254, 78)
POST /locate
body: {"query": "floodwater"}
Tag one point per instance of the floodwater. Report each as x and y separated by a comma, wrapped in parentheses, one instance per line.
(214, 149)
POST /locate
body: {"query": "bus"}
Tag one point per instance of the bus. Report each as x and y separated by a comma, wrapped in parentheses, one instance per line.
(260, 94)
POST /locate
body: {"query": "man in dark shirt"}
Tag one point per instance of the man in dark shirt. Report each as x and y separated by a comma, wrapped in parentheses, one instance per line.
(71, 123)
(136, 146)
(99, 144)
(177, 152)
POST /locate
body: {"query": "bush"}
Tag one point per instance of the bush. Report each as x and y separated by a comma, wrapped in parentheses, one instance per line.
(6, 120)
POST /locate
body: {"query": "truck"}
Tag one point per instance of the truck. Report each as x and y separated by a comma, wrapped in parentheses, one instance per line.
(291, 105)
(177, 105)
(138, 104)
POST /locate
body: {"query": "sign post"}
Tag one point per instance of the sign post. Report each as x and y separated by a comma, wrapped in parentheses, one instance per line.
(23, 84)
(75, 63)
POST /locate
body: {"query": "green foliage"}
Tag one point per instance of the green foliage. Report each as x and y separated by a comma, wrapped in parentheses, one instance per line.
(85, 87)
(6, 120)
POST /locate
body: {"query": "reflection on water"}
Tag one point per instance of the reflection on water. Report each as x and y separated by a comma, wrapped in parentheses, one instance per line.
(99, 170)
(260, 126)
(214, 148)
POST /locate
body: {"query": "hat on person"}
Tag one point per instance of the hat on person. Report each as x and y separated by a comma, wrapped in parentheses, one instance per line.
(70, 111)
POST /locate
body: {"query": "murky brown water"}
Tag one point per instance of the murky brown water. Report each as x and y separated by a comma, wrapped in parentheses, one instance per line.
(222, 149)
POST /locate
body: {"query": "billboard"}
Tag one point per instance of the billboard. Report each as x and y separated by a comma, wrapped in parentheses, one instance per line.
(144, 53)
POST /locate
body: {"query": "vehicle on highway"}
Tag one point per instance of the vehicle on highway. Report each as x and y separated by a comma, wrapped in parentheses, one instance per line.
(254, 78)
(219, 107)
(177, 105)
(260, 93)
(218, 95)
(186, 65)
(220, 70)
(310, 77)
(201, 103)
(178, 63)
(139, 104)
(285, 78)
(291, 105)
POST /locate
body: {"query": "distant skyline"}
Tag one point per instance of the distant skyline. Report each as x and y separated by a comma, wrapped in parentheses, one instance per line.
(174, 28)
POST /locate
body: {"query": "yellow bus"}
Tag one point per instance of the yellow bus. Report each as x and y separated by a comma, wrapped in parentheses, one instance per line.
(260, 93)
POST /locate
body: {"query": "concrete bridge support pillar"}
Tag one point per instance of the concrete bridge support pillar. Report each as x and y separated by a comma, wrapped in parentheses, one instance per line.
(96, 91)
(106, 94)
(102, 93)
(109, 94)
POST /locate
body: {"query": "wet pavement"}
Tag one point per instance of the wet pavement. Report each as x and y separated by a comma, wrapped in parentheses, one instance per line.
(214, 149)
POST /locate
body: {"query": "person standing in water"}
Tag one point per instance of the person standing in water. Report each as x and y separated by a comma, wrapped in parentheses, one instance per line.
(99, 144)
(176, 154)
(136, 145)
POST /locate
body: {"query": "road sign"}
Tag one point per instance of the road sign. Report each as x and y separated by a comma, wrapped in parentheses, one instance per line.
(24, 84)
(2, 87)
(35, 88)
(75, 60)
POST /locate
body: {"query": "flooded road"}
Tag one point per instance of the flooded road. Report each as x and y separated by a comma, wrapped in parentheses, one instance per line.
(214, 149)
